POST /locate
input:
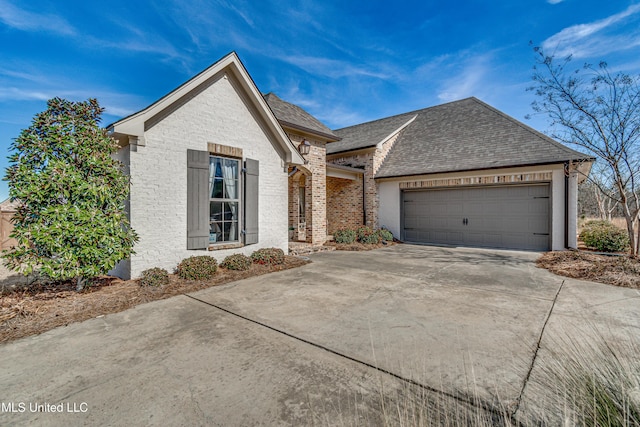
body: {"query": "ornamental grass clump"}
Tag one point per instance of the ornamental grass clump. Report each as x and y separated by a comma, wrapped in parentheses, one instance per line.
(200, 267)
(154, 277)
(237, 262)
(268, 256)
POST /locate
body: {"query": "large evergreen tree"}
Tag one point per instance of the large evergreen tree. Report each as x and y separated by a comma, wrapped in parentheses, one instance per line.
(71, 221)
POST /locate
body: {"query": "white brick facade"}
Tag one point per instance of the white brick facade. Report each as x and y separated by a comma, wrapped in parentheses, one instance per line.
(158, 208)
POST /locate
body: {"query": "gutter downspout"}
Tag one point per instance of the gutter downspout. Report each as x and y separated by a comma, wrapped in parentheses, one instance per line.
(566, 205)
(364, 204)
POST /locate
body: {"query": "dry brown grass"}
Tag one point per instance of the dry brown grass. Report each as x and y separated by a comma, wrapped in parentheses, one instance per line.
(32, 309)
(613, 270)
(619, 222)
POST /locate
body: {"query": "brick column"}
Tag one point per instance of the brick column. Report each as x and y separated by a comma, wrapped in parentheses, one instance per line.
(316, 189)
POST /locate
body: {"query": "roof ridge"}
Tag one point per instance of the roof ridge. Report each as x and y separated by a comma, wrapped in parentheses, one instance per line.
(524, 126)
(415, 112)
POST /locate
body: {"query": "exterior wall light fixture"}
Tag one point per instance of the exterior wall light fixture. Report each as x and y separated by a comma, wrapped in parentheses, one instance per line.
(304, 147)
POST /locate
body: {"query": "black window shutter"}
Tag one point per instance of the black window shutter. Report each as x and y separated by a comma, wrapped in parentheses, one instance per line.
(251, 172)
(197, 199)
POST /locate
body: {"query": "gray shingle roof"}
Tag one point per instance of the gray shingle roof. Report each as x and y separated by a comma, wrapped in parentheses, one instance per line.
(459, 136)
(293, 116)
(368, 134)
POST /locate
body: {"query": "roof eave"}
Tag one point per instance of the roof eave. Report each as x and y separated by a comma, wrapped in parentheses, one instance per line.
(358, 150)
(312, 132)
(558, 162)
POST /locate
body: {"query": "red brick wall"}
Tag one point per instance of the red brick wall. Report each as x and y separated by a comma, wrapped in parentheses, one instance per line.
(344, 204)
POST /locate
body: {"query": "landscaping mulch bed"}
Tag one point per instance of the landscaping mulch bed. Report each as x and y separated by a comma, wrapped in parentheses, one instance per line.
(357, 246)
(32, 309)
(618, 270)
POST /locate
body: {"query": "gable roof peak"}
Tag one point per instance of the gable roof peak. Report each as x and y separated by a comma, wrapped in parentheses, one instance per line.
(295, 117)
(135, 125)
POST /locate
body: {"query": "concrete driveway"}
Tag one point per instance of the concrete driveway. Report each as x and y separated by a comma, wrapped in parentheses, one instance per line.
(313, 345)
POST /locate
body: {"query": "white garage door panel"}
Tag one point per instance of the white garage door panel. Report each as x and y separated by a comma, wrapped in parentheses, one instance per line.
(510, 216)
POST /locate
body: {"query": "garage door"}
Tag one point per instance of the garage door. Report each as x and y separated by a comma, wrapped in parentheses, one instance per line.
(509, 216)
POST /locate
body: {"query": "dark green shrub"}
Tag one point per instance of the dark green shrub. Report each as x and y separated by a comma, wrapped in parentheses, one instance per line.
(197, 268)
(71, 221)
(367, 235)
(236, 262)
(385, 235)
(344, 236)
(268, 256)
(154, 277)
(604, 236)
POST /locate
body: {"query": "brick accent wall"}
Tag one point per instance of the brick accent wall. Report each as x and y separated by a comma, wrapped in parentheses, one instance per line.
(371, 160)
(316, 190)
(364, 160)
(344, 204)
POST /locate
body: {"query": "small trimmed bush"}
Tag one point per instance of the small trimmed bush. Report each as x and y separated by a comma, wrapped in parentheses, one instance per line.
(604, 236)
(368, 235)
(344, 236)
(268, 256)
(200, 267)
(238, 262)
(154, 277)
(385, 235)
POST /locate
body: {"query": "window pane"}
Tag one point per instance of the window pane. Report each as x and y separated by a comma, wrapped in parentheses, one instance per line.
(216, 189)
(230, 211)
(230, 189)
(230, 174)
(217, 167)
(230, 231)
(232, 168)
(215, 210)
(233, 231)
(215, 221)
(215, 232)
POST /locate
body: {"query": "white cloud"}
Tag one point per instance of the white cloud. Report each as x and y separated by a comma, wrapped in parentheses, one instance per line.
(331, 68)
(583, 40)
(554, 1)
(115, 104)
(17, 94)
(21, 19)
(470, 80)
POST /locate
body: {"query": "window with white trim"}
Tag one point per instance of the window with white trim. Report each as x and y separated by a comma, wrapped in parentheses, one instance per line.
(224, 199)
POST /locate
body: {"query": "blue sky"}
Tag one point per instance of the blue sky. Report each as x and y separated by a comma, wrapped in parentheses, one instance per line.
(345, 62)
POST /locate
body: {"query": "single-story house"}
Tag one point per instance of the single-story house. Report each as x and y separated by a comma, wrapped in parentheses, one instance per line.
(217, 168)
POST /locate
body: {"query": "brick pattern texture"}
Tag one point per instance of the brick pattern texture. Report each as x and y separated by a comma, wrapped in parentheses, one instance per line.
(344, 204)
(371, 161)
(158, 207)
(315, 181)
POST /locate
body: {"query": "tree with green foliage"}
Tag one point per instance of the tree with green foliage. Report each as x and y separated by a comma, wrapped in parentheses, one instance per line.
(71, 222)
(599, 112)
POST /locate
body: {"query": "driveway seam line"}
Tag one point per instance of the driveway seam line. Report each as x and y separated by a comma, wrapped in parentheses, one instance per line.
(535, 353)
(484, 406)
